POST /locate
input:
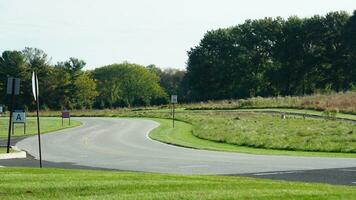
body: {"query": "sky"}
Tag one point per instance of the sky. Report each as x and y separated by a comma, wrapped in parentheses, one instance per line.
(160, 32)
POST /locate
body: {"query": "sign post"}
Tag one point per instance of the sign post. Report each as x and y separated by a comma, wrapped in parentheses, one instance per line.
(35, 94)
(1, 109)
(174, 100)
(65, 114)
(13, 88)
(19, 117)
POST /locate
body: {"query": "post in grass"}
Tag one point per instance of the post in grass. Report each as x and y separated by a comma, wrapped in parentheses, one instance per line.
(36, 97)
(65, 114)
(13, 88)
(174, 100)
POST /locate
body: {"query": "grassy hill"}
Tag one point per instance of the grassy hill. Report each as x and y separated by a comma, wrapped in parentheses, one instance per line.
(344, 102)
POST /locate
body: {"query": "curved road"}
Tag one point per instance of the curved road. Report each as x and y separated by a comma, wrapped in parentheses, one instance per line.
(123, 144)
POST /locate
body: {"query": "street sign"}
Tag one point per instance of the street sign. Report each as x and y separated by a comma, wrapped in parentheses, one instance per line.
(174, 99)
(19, 116)
(13, 85)
(34, 85)
(65, 114)
(35, 95)
(13, 88)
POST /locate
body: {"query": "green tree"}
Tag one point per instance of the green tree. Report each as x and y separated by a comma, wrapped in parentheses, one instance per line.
(127, 85)
(85, 91)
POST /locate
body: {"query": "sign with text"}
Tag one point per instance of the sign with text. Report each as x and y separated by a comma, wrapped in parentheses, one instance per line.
(19, 116)
(174, 99)
(65, 114)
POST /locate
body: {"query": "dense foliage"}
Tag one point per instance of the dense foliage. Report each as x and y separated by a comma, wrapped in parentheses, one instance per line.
(270, 57)
(127, 85)
(67, 85)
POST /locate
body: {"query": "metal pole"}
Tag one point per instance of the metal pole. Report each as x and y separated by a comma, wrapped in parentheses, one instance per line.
(38, 120)
(11, 108)
(173, 114)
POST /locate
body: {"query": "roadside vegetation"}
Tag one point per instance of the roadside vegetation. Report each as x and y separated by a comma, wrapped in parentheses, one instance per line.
(271, 132)
(263, 131)
(47, 125)
(3, 149)
(344, 102)
(17, 183)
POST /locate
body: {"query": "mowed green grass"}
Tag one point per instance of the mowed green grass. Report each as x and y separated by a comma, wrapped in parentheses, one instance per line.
(19, 183)
(48, 124)
(3, 149)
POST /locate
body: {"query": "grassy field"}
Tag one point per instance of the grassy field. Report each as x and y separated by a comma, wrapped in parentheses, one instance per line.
(182, 135)
(268, 131)
(82, 184)
(47, 125)
(272, 132)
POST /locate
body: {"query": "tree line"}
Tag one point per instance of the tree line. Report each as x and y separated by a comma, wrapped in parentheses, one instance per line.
(66, 85)
(274, 56)
(265, 57)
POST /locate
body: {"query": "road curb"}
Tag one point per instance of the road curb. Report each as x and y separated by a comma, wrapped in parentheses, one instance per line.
(19, 154)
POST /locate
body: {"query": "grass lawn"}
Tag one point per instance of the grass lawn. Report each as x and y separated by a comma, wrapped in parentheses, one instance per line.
(182, 135)
(271, 132)
(19, 183)
(48, 124)
(3, 149)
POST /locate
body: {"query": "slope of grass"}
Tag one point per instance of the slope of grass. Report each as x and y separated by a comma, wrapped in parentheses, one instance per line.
(182, 135)
(272, 132)
(47, 125)
(17, 183)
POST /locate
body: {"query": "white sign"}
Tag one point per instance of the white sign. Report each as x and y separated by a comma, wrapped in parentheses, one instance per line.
(19, 117)
(174, 99)
(1, 109)
(34, 80)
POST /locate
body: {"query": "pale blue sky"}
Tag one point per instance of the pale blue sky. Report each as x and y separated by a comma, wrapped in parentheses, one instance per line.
(146, 32)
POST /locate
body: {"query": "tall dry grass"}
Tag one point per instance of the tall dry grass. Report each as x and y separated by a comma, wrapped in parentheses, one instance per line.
(344, 102)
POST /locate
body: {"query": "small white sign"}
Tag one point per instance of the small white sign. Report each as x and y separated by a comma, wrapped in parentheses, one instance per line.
(1, 109)
(34, 82)
(174, 99)
(19, 117)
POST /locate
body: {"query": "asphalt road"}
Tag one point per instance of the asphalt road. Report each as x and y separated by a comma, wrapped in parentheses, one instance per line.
(123, 144)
